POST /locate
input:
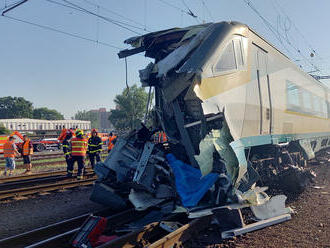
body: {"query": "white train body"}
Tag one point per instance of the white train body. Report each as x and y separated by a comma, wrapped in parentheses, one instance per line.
(222, 91)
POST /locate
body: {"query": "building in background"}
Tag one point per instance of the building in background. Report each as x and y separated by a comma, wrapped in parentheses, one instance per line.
(103, 119)
(46, 125)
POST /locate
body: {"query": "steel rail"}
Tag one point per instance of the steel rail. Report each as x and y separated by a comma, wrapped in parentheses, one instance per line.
(21, 178)
(60, 234)
(39, 181)
(60, 230)
(45, 188)
(46, 155)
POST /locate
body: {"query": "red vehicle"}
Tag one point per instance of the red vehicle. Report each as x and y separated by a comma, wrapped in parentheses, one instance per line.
(46, 144)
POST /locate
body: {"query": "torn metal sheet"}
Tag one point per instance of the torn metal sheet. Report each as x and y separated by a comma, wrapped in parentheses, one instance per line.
(254, 196)
(174, 58)
(272, 208)
(222, 145)
(255, 226)
(142, 200)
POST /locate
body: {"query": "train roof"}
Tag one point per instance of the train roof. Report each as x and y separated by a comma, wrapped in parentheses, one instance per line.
(159, 44)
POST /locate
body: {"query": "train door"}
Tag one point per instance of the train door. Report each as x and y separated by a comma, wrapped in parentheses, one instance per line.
(264, 90)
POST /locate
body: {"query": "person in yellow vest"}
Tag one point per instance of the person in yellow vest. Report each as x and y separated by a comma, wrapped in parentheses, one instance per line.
(9, 152)
(78, 152)
(27, 151)
(111, 144)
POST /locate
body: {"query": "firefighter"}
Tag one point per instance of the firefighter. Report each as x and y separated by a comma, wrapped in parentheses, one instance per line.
(94, 148)
(111, 144)
(27, 151)
(67, 153)
(78, 152)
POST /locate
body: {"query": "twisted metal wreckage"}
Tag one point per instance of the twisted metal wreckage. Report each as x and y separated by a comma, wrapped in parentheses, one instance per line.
(205, 166)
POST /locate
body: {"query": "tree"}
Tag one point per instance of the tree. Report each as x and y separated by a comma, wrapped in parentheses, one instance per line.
(3, 129)
(130, 108)
(88, 116)
(47, 114)
(15, 107)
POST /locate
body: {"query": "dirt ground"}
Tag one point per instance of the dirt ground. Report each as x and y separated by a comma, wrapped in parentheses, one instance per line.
(309, 226)
(17, 216)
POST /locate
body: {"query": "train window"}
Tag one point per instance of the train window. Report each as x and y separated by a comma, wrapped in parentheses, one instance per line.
(227, 60)
(292, 94)
(307, 100)
(317, 105)
(238, 52)
(324, 108)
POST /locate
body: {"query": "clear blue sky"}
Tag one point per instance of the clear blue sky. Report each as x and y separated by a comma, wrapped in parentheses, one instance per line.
(69, 74)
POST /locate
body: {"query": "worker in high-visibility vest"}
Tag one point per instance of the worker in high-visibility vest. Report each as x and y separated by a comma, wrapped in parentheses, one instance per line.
(162, 138)
(111, 144)
(78, 152)
(9, 152)
(27, 151)
(66, 145)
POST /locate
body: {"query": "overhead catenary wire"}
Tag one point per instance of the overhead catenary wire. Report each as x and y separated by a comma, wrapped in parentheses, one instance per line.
(208, 10)
(190, 13)
(282, 12)
(105, 18)
(277, 34)
(62, 32)
(117, 14)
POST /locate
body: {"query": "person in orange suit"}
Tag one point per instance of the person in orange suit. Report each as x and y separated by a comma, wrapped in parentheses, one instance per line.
(111, 144)
(9, 152)
(27, 151)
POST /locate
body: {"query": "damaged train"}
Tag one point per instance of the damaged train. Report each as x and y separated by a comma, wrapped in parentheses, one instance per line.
(238, 114)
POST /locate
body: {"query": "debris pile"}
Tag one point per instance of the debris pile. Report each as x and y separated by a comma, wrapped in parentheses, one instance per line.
(204, 166)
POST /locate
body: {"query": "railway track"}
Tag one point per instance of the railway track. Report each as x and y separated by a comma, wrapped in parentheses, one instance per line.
(57, 234)
(45, 156)
(152, 235)
(41, 185)
(25, 177)
(35, 179)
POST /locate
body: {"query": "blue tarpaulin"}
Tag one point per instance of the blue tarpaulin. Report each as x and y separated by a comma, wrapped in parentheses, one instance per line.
(190, 184)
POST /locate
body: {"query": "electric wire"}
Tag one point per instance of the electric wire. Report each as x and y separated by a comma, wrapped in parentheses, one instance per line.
(117, 14)
(282, 12)
(107, 19)
(277, 34)
(191, 14)
(208, 10)
(62, 32)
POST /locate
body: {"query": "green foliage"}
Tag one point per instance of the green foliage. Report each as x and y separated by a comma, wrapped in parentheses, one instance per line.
(18, 107)
(3, 130)
(130, 108)
(15, 107)
(47, 114)
(88, 116)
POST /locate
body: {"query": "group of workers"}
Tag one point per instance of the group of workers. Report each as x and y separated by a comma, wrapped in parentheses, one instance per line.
(10, 151)
(74, 148)
(78, 147)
